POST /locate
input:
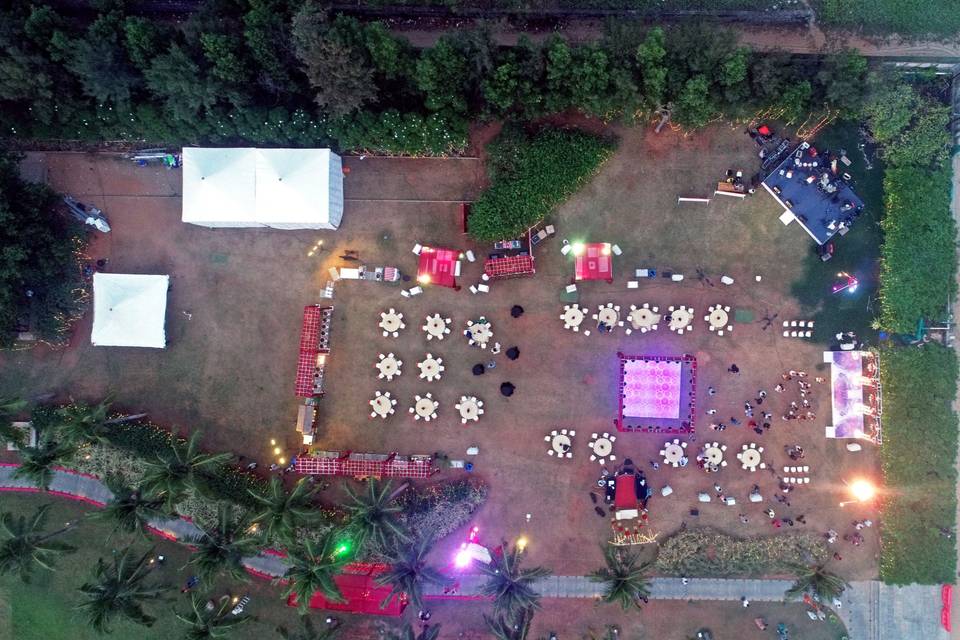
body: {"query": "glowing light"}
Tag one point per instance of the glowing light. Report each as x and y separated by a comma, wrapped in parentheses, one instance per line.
(277, 450)
(606, 249)
(423, 279)
(862, 490)
(342, 548)
(282, 460)
(462, 559)
(522, 543)
(273, 442)
(578, 248)
(236, 599)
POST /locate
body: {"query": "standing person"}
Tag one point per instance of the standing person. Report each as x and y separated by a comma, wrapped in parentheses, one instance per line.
(734, 369)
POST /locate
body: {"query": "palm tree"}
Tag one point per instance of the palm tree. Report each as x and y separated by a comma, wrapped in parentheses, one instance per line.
(174, 473)
(308, 631)
(130, 510)
(282, 513)
(119, 591)
(36, 463)
(221, 549)
(10, 407)
(407, 632)
(79, 424)
(313, 567)
(24, 546)
(409, 572)
(625, 577)
(373, 515)
(210, 622)
(511, 586)
(816, 579)
(504, 628)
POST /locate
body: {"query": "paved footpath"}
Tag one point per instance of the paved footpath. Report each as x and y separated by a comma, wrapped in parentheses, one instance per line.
(870, 610)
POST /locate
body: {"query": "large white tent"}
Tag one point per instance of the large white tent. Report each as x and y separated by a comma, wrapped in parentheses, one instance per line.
(129, 310)
(277, 188)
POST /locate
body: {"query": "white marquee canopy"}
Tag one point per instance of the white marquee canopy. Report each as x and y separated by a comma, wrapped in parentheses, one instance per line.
(277, 188)
(129, 310)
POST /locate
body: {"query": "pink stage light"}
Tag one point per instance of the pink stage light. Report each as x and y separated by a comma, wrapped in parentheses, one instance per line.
(651, 389)
(462, 559)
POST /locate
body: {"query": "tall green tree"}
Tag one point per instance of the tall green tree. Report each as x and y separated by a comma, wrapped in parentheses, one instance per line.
(374, 515)
(176, 472)
(119, 590)
(37, 463)
(651, 56)
(221, 549)
(313, 566)
(280, 513)
(409, 571)
(79, 424)
(142, 39)
(177, 80)
(336, 68)
(624, 577)
(890, 108)
(225, 54)
(266, 33)
(815, 579)
(843, 81)
(9, 409)
(442, 75)
(99, 61)
(130, 510)
(209, 623)
(927, 141)
(24, 545)
(515, 627)
(694, 106)
(510, 585)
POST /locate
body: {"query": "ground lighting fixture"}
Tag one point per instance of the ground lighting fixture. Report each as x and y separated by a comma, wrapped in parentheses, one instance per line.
(578, 248)
(861, 491)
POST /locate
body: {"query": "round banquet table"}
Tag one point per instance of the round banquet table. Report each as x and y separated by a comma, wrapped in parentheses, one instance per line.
(388, 366)
(608, 316)
(469, 410)
(425, 407)
(390, 322)
(572, 317)
(672, 453)
(718, 318)
(560, 444)
(602, 447)
(643, 318)
(713, 455)
(679, 319)
(480, 332)
(435, 326)
(750, 458)
(381, 406)
(429, 368)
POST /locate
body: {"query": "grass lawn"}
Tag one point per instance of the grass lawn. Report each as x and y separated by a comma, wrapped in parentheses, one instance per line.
(857, 253)
(921, 18)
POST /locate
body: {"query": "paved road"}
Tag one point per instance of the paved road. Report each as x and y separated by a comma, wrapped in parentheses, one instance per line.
(871, 610)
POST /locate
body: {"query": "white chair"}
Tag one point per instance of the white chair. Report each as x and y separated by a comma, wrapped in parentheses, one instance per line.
(565, 249)
(633, 284)
(617, 251)
(727, 280)
(405, 293)
(470, 256)
(483, 288)
(417, 249)
(416, 291)
(473, 289)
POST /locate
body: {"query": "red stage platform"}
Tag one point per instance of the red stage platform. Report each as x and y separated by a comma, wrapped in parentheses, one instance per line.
(594, 262)
(438, 266)
(314, 345)
(363, 465)
(510, 267)
(360, 592)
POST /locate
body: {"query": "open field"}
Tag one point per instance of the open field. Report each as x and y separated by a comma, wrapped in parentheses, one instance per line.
(229, 368)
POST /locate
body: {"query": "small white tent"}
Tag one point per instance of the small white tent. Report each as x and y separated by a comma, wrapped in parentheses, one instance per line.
(129, 310)
(277, 188)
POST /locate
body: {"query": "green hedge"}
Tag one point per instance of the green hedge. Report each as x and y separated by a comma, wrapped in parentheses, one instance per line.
(918, 18)
(918, 452)
(918, 259)
(530, 175)
(705, 552)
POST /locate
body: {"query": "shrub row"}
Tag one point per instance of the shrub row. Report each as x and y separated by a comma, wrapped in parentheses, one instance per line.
(706, 553)
(918, 453)
(532, 174)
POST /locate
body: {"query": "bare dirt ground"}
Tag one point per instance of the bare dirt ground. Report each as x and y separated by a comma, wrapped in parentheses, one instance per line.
(230, 368)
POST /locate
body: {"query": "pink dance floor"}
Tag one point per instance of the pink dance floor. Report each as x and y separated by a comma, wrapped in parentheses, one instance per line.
(651, 389)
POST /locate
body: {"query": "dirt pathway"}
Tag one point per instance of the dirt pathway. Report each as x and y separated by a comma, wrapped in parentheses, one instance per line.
(792, 39)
